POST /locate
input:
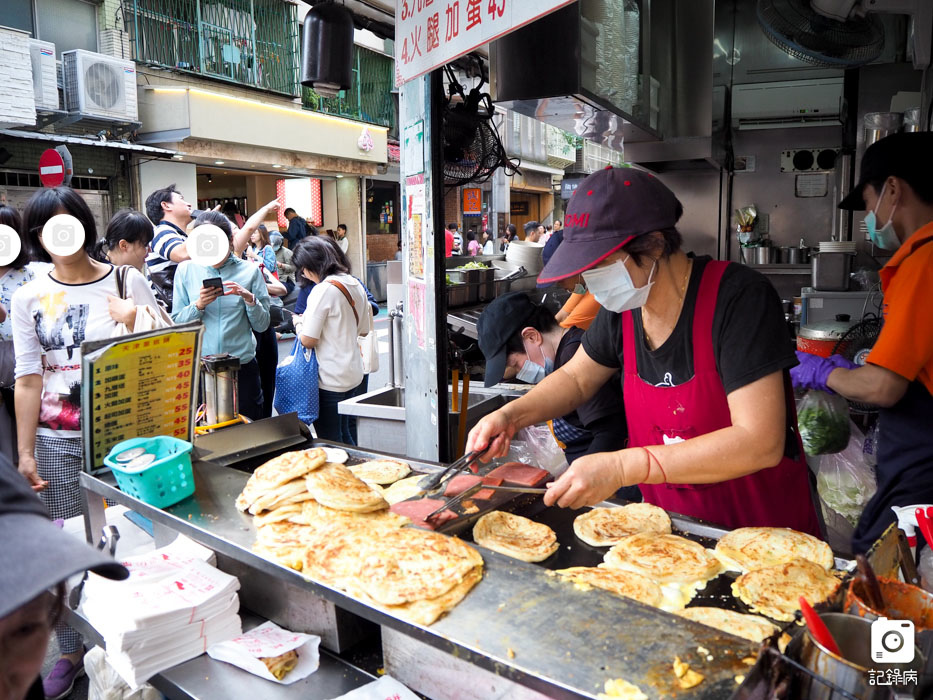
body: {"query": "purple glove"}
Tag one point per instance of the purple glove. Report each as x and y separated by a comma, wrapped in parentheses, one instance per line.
(813, 371)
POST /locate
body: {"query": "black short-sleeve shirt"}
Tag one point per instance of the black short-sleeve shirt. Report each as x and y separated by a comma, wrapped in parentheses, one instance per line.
(603, 415)
(750, 336)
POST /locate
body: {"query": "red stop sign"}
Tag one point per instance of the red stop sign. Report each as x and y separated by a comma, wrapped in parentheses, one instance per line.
(51, 168)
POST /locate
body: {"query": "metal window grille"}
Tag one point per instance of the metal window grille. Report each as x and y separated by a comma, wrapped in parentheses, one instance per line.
(250, 42)
(369, 98)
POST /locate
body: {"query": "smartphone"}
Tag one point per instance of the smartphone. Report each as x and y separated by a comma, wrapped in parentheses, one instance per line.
(215, 282)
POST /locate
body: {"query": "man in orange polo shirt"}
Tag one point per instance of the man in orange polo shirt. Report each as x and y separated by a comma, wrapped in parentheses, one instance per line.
(896, 189)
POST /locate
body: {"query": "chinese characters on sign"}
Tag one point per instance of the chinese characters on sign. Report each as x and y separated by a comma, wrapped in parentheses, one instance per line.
(472, 200)
(140, 387)
(430, 33)
(892, 676)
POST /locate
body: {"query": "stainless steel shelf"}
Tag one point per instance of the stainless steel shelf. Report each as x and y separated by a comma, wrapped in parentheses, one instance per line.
(519, 622)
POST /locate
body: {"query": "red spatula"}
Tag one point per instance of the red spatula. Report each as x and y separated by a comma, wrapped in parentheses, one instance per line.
(817, 627)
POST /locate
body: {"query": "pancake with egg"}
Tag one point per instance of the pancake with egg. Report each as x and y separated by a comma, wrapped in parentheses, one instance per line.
(290, 465)
(381, 471)
(750, 548)
(604, 527)
(663, 558)
(515, 536)
(402, 490)
(773, 591)
(335, 486)
(754, 628)
(627, 584)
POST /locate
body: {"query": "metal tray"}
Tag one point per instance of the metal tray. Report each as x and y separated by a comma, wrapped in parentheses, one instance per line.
(518, 622)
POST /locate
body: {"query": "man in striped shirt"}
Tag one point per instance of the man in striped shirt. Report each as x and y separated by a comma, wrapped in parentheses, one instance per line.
(171, 214)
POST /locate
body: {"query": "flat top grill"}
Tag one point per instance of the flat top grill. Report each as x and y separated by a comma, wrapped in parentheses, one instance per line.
(464, 320)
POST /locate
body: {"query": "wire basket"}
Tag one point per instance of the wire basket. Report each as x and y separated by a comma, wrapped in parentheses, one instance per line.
(166, 481)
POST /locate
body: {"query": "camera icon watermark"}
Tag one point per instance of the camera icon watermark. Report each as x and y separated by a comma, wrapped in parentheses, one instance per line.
(208, 245)
(63, 235)
(10, 245)
(892, 641)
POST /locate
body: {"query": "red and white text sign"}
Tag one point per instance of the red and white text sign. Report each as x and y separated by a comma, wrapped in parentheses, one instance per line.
(430, 33)
(51, 168)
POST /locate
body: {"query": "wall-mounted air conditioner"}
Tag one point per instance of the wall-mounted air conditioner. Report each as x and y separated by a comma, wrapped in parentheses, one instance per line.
(787, 104)
(44, 80)
(99, 85)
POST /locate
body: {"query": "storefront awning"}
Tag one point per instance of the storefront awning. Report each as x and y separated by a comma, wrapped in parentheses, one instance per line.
(84, 141)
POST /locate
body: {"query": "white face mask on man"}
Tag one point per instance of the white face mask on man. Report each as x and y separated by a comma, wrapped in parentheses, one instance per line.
(613, 288)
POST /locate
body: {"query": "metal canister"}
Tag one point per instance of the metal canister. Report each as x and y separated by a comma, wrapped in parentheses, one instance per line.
(820, 338)
(850, 671)
(911, 120)
(881, 124)
(219, 387)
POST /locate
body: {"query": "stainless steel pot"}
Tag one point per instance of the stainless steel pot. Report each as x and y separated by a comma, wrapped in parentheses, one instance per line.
(851, 670)
(793, 255)
(219, 387)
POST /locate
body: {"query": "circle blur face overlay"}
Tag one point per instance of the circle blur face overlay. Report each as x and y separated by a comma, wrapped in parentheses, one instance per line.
(208, 245)
(10, 245)
(62, 235)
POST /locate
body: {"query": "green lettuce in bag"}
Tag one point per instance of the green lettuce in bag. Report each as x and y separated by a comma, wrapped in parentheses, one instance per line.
(823, 420)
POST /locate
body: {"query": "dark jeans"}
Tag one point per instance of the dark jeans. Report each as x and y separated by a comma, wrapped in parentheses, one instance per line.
(331, 425)
(360, 390)
(249, 390)
(267, 357)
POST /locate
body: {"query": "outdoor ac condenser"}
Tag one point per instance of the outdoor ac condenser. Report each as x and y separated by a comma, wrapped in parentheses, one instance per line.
(99, 85)
(44, 79)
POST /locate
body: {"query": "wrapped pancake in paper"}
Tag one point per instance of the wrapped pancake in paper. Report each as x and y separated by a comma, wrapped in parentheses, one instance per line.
(604, 527)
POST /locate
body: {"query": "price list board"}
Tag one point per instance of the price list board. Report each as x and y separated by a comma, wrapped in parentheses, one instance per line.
(140, 385)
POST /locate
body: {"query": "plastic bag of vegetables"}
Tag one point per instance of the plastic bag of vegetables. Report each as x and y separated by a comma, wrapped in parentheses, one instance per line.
(823, 420)
(846, 481)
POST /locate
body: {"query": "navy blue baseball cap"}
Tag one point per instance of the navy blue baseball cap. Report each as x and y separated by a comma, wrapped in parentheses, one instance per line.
(906, 155)
(505, 316)
(609, 208)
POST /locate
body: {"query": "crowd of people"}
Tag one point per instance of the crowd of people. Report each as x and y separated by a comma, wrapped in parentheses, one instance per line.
(140, 275)
(485, 242)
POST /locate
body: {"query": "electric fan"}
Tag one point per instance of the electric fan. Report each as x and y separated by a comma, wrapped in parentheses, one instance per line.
(855, 346)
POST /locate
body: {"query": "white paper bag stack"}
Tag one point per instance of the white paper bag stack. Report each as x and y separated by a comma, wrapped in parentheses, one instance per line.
(174, 605)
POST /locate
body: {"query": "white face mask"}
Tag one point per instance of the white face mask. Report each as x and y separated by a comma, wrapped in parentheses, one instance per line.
(614, 289)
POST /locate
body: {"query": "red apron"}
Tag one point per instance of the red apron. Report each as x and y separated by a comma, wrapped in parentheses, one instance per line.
(778, 496)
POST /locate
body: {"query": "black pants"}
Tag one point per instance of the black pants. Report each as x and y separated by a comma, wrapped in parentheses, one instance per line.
(331, 425)
(359, 391)
(249, 390)
(267, 357)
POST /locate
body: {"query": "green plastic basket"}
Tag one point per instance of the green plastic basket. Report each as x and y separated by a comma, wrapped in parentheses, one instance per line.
(165, 482)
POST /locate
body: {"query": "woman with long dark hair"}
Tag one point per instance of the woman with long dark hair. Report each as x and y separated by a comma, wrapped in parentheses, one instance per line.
(260, 249)
(127, 239)
(52, 316)
(335, 317)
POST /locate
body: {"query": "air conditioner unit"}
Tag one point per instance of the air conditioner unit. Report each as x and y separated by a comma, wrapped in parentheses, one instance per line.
(99, 85)
(44, 79)
(789, 103)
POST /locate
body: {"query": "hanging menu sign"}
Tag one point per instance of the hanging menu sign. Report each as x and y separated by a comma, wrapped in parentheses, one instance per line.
(139, 385)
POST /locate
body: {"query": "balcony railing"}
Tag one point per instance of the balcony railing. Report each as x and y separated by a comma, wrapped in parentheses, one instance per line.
(369, 98)
(250, 42)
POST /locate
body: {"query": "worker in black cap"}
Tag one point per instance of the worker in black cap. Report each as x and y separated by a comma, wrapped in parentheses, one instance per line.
(36, 558)
(704, 353)
(895, 188)
(521, 339)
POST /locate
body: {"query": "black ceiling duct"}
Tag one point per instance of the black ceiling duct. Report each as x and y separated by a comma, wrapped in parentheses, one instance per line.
(327, 49)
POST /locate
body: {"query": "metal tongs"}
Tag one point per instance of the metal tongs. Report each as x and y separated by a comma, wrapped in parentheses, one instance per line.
(433, 482)
(109, 535)
(463, 495)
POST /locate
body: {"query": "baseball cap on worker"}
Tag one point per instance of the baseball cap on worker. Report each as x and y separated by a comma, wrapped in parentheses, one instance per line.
(906, 155)
(36, 554)
(500, 321)
(609, 208)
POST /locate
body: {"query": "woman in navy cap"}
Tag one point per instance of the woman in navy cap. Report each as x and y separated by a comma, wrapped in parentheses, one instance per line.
(896, 192)
(704, 353)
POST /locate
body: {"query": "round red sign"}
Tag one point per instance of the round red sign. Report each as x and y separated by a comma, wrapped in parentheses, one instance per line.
(51, 168)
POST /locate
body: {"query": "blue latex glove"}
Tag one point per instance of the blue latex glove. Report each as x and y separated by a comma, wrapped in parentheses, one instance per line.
(813, 371)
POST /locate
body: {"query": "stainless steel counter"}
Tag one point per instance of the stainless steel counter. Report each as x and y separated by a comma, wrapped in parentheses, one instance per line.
(519, 622)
